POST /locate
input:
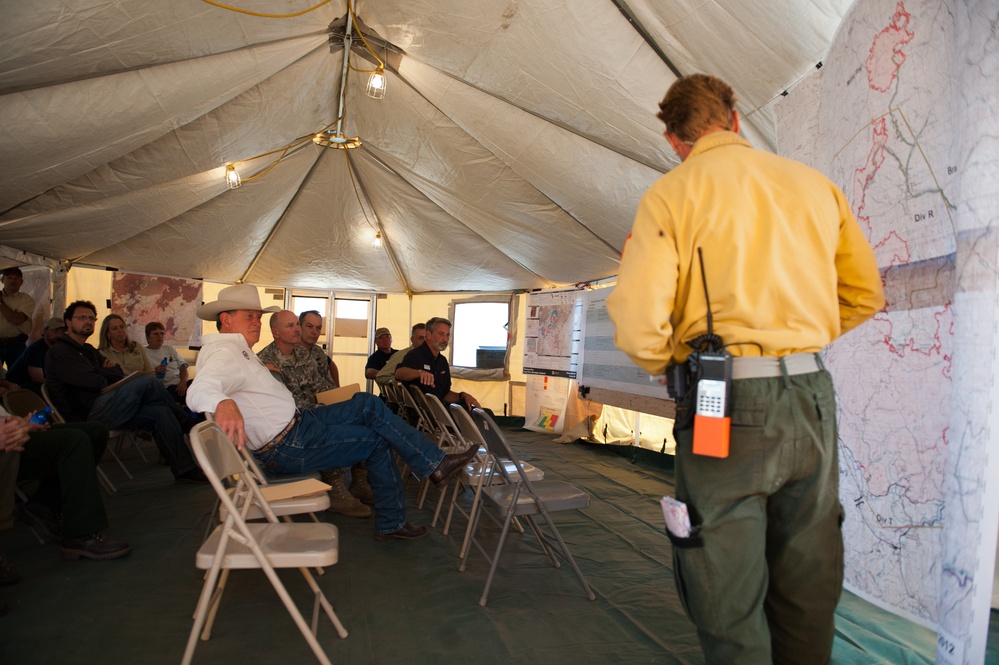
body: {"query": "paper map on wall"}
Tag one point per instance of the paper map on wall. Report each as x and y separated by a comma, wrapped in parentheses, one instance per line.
(899, 119)
(173, 302)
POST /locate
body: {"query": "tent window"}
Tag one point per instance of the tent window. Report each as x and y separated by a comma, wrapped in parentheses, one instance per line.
(351, 317)
(480, 335)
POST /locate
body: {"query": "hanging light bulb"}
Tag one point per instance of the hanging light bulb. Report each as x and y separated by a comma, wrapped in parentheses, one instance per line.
(232, 177)
(377, 242)
(376, 83)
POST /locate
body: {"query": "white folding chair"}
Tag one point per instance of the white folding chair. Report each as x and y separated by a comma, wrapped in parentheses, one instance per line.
(269, 545)
(524, 499)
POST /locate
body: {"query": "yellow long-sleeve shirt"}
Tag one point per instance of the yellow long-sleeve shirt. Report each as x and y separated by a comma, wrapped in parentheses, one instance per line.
(788, 268)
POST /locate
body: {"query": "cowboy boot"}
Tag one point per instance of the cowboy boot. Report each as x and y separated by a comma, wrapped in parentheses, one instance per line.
(342, 501)
(359, 486)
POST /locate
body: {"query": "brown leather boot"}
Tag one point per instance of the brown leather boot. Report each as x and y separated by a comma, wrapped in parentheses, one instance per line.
(342, 501)
(359, 486)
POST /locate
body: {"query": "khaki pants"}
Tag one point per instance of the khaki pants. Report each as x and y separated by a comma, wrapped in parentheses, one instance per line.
(762, 572)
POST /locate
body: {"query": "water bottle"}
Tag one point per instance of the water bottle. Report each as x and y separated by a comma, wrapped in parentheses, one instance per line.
(41, 417)
(161, 369)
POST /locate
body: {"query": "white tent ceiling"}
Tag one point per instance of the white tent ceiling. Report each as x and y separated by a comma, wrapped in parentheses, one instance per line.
(509, 152)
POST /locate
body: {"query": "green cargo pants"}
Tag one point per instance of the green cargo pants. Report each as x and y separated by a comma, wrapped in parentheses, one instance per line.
(762, 571)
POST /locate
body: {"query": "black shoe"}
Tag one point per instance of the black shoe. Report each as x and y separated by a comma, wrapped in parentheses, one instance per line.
(452, 463)
(93, 546)
(8, 575)
(407, 532)
(195, 475)
(41, 518)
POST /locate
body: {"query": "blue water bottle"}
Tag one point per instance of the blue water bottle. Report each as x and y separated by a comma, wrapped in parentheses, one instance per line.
(41, 417)
(161, 369)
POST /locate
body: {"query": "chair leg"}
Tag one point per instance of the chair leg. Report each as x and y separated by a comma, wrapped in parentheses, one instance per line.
(213, 609)
(499, 551)
(200, 613)
(322, 601)
(450, 509)
(105, 482)
(568, 556)
(138, 448)
(295, 614)
(117, 459)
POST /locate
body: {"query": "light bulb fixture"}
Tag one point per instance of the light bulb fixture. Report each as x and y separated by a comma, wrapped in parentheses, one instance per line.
(329, 139)
(232, 177)
(377, 242)
(376, 83)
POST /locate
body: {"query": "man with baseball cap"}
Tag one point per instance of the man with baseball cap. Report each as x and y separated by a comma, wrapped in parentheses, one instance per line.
(28, 371)
(255, 409)
(382, 354)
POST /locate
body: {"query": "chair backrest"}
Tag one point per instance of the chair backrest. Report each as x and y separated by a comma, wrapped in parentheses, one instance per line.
(416, 418)
(499, 447)
(48, 398)
(217, 456)
(449, 431)
(22, 401)
(432, 427)
(466, 426)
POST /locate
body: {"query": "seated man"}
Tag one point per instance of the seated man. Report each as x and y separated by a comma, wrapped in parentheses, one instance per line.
(384, 351)
(292, 365)
(312, 328)
(386, 374)
(63, 458)
(173, 375)
(426, 366)
(28, 371)
(86, 386)
(255, 409)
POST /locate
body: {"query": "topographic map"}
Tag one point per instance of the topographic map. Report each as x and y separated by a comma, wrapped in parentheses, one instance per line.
(173, 302)
(902, 118)
(551, 333)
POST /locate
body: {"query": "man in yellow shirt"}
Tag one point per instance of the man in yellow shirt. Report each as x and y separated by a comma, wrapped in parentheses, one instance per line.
(787, 270)
(15, 316)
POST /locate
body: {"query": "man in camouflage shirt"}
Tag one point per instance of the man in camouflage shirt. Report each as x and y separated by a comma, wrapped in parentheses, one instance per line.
(294, 366)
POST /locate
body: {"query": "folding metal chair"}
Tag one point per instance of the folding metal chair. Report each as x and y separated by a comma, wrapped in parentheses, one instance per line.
(21, 402)
(524, 499)
(269, 545)
(114, 436)
(481, 474)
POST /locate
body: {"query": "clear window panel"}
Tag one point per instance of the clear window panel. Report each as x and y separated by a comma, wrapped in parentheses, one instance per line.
(479, 337)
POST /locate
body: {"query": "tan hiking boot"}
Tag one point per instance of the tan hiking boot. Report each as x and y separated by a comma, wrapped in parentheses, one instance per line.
(359, 486)
(342, 501)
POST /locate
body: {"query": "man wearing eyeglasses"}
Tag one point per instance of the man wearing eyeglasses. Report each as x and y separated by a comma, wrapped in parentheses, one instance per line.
(86, 386)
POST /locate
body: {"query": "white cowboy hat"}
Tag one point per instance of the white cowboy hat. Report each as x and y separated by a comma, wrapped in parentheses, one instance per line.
(238, 296)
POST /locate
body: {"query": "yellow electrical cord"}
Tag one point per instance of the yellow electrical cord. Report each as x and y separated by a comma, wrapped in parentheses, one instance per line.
(262, 15)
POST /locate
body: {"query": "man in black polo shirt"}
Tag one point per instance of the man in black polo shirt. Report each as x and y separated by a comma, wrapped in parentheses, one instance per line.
(384, 351)
(427, 367)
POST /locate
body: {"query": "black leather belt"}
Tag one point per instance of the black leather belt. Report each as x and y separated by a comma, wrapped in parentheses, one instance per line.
(276, 441)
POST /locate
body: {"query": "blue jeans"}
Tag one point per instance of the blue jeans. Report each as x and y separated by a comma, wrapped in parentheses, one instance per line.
(361, 429)
(143, 403)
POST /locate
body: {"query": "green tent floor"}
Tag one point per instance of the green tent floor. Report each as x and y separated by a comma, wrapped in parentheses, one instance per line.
(402, 602)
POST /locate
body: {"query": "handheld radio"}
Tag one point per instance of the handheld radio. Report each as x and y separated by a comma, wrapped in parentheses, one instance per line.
(711, 364)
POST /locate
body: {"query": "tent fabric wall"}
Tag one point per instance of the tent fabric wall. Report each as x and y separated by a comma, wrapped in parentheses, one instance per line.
(509, 153)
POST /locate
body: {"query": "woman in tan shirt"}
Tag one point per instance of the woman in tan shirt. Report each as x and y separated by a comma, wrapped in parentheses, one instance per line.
(119, 349)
